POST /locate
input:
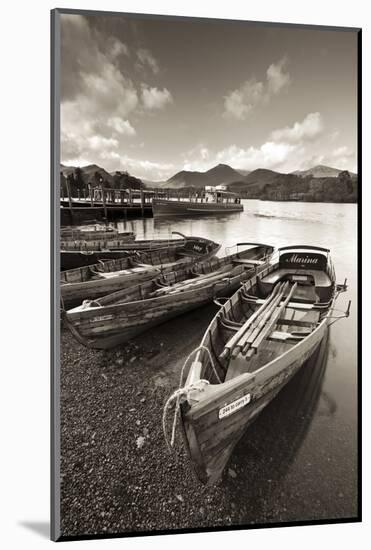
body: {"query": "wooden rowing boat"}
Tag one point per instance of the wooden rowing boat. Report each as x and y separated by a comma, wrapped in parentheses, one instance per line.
(90, 232)
(106, 277)
(114, 319)
(73, 259)
(256, 342)
(79, 254)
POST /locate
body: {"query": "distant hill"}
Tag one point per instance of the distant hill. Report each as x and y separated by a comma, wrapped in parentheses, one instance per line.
(321, 171)
(256, 181)
(88, 173)
(220, 174)
(244, 172)
(270, 185)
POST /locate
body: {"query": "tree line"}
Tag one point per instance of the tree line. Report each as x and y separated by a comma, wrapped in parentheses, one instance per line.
(79, 181)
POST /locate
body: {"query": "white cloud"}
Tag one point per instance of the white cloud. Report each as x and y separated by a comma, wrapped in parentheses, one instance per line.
(204, 153)
(277, 79)
(342, 151)
(198, 157)
(118, 48)
(146, 59)
(146, 169)
(308, 128)
(269, 155)
(121, 126)
(98, 98)
(153, 98)
(343, 157)
(241, 101)
(97, 143)
(285, 150)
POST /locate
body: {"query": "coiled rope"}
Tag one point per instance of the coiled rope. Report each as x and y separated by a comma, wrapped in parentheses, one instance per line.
(184, 392)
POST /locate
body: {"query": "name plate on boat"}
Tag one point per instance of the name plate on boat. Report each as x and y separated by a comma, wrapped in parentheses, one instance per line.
(103, 318)
(234, 406)
(302, 260)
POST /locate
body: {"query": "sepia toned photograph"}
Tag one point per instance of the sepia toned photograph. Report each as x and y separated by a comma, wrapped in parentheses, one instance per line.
(205, 180)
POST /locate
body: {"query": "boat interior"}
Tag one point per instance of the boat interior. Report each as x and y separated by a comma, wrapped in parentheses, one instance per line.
(139, 261)
(188, 277)
(165, 259)
(270, 314)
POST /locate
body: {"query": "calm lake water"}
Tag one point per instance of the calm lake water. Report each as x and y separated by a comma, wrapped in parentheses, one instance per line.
(304, 445)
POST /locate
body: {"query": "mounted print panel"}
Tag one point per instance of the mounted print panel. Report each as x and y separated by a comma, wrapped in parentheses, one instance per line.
(205, 186)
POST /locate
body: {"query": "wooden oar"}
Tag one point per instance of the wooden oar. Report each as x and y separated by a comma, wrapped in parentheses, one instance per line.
(250, 336)
(197, 281)
(270, 325)
(230, 345)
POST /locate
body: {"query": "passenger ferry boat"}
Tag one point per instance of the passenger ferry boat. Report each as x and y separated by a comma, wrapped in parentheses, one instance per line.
(211, 200)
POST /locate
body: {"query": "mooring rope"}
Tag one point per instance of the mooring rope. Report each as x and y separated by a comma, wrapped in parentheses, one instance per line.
(184, 391)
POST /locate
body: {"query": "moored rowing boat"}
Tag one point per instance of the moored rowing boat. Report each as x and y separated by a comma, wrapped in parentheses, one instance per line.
(90, 232)
(110, 276)
(81, 253)
(114, 319)
(257, 341)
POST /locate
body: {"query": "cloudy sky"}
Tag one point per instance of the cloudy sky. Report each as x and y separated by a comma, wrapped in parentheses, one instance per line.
(155, 96)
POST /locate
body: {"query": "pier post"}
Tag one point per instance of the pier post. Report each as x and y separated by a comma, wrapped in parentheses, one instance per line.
(142, 201)
(104, 201)
(69, 197)
(91, 195)
(69, 193)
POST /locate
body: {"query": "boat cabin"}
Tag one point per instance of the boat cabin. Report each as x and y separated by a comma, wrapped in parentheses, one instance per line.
(219, 194)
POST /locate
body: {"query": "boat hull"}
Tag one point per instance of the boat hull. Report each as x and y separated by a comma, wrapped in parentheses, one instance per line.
(74, 289)
(210, 440)
(113, 325)
(164, 208)
(74, 293)
(73, 259)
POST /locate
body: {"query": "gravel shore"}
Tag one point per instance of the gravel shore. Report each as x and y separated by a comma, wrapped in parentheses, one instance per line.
(117, 474)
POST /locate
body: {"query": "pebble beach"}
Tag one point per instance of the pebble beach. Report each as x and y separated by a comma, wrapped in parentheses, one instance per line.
(117, 474)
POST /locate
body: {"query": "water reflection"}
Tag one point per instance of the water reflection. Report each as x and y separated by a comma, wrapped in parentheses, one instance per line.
(270, 445)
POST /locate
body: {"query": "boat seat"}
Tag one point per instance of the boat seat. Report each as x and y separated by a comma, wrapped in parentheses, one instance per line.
(283, 335)
(228, 323)
(246, 261)
(321, 278)
(296, 305)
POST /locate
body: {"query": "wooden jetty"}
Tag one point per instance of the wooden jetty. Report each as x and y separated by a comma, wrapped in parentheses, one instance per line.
(98, 203)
